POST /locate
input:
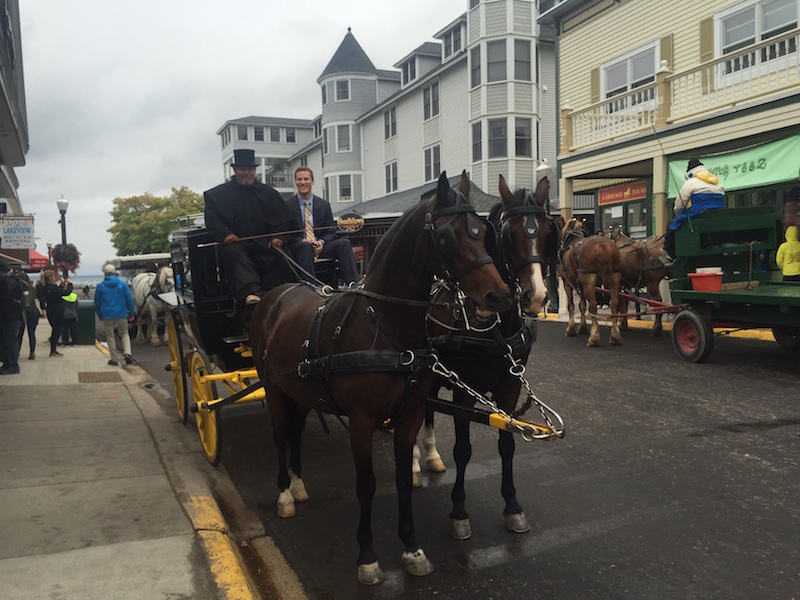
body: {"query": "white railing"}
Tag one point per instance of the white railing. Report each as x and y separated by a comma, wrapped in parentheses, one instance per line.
(758, 70)
(766, 68)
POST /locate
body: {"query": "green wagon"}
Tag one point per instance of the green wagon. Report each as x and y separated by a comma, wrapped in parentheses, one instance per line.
(738, 241)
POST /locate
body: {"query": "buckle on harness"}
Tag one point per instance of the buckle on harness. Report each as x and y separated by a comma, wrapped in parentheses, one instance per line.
(304, 369)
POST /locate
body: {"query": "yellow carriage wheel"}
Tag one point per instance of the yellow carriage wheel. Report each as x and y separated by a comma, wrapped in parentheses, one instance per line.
(176, 367)
(208, 421)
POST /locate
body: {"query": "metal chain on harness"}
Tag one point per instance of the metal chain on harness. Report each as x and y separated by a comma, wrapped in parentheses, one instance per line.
(526, 430)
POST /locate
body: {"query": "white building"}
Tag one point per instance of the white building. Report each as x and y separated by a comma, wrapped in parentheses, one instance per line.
(480, 98)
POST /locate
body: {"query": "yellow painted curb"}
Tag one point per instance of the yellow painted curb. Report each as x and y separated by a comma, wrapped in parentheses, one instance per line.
(223, 557)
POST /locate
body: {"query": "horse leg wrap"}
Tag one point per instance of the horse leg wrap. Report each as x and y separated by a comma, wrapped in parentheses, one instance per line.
(297, 488)
(460, 529)
(433, 460)
(517, 523)
(370, 574)
(417, 563)
(286, 505)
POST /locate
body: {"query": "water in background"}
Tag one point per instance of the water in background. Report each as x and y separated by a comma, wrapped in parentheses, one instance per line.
(78, 281)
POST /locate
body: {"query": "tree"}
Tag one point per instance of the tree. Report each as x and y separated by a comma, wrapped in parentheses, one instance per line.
(142, 223)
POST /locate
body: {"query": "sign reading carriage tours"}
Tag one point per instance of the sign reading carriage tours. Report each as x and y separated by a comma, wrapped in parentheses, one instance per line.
(17, 232)
(636, 190)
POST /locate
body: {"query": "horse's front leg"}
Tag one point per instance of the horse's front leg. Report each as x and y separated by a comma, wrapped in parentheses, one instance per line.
(369, 570)
(514, 516)
(405, 435)
(296, 416)
(571, 329)
(655, 294)
(277, 404)
(460, 528)
(152, 327)
(140, 326)
(433, 460)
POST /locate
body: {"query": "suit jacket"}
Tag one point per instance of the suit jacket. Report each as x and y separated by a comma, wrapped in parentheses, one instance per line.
(324, 225)
(248, 211)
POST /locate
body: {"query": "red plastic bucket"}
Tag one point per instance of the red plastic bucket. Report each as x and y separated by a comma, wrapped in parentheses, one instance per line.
(706, 282)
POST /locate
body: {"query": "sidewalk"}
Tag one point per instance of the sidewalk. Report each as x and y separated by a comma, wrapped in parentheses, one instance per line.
(104, 494)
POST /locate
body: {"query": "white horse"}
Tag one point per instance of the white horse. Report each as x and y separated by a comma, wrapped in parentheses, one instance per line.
(145, 288)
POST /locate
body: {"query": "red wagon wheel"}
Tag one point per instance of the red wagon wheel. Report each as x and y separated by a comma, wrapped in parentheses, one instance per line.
(692, 336)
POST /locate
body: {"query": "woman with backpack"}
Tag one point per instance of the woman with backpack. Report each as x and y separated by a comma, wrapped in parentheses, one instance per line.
(52, 303)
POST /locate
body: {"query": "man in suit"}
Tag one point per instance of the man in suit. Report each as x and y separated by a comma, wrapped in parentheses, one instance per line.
(315, 218)
(241, 214)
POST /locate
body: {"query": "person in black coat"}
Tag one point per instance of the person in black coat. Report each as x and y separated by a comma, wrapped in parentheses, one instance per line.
(245, 208)
(10, 319)
(51, 302)
(320, 238)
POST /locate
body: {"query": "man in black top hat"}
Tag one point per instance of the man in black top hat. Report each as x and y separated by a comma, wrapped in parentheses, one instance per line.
(241, 214)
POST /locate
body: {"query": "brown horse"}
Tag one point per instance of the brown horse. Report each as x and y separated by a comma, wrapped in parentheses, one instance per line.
(478, 350)
(586, 262)
(363, 353)
(641, 268)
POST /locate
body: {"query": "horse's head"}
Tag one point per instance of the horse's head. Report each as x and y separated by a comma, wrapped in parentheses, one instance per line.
(166, 279)
(573, 229)
(523, 241)
(459, 243)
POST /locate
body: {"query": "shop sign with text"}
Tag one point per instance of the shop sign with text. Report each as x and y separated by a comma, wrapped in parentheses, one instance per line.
(636, 190)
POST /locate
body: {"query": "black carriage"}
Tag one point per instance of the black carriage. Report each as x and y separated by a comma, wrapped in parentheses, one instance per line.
(205, 329)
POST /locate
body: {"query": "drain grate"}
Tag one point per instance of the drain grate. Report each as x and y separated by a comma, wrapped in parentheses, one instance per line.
(99, 377)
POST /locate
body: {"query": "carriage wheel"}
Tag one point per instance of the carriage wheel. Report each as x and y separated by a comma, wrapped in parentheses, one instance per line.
(788, 338)
(176, 367)
(208, 421)
(692, 336)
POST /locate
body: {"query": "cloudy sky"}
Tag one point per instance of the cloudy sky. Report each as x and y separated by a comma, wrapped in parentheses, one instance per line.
(125, 97)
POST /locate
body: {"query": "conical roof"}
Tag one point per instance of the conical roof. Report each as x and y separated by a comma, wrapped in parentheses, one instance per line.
(348, 58)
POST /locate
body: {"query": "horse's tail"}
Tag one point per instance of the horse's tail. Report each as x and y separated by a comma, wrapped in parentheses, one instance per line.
(608, 263)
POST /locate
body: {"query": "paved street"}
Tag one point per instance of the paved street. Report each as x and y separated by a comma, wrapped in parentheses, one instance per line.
(675, 481)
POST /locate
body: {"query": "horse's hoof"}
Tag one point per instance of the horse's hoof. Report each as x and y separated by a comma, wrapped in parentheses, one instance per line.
(417, 563)
(570, 333)
(592, 343)
(286, 505)
(370, 574)
(298, 491)
(615, 341)
(435, 465)
(415, 480)
(460, 529)
(517, 523)
(583, 330)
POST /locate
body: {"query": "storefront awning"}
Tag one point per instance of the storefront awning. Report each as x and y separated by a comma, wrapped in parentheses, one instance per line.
(757, 166)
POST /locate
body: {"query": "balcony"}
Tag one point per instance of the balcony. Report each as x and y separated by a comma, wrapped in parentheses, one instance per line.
(748, 75)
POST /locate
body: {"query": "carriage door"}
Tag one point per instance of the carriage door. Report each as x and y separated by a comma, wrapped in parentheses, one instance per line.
(624, 208)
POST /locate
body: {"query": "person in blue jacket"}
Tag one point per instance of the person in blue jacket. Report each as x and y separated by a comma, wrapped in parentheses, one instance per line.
(113, 303)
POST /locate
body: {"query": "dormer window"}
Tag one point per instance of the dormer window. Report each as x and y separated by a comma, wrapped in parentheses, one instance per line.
(410, 70)
(452, 41)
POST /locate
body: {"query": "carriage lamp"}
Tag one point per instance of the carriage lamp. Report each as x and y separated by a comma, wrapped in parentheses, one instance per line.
(62, 208)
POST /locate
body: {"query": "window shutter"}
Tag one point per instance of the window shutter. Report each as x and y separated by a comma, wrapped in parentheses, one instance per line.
(595, 83)
(706, 39)
(666, 52)
(707, 51)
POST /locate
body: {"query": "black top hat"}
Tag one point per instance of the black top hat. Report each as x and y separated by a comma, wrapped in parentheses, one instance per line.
(244, 158)
(694, 162)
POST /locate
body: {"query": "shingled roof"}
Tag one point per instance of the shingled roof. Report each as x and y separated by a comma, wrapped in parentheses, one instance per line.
(397, 203)
(349, 58)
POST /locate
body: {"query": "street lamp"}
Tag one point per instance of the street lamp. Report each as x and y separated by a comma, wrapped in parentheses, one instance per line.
(62, 208)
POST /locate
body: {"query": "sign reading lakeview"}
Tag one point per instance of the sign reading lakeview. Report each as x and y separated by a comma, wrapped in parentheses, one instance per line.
(17, 232)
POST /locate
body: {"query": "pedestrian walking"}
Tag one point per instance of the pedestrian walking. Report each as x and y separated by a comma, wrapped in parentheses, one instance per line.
(31, 314)
(113, 303)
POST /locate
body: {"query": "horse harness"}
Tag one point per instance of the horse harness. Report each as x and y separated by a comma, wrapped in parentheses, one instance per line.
(316, 369)
(579, 234)
(155, 290)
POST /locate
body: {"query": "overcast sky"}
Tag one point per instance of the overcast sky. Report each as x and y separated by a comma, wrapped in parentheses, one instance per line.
(126, 97)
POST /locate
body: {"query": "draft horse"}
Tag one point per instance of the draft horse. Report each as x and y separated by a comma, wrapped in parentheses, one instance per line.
(641, 268)
(145, 289)
(585, 262)
(478, 349)
(363, 353)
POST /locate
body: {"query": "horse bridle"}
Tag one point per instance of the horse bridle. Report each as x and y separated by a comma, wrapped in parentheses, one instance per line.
(529, 209)
(444, 241)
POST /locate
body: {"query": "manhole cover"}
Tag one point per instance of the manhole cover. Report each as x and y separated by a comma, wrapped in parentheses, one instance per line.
(99, 377)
